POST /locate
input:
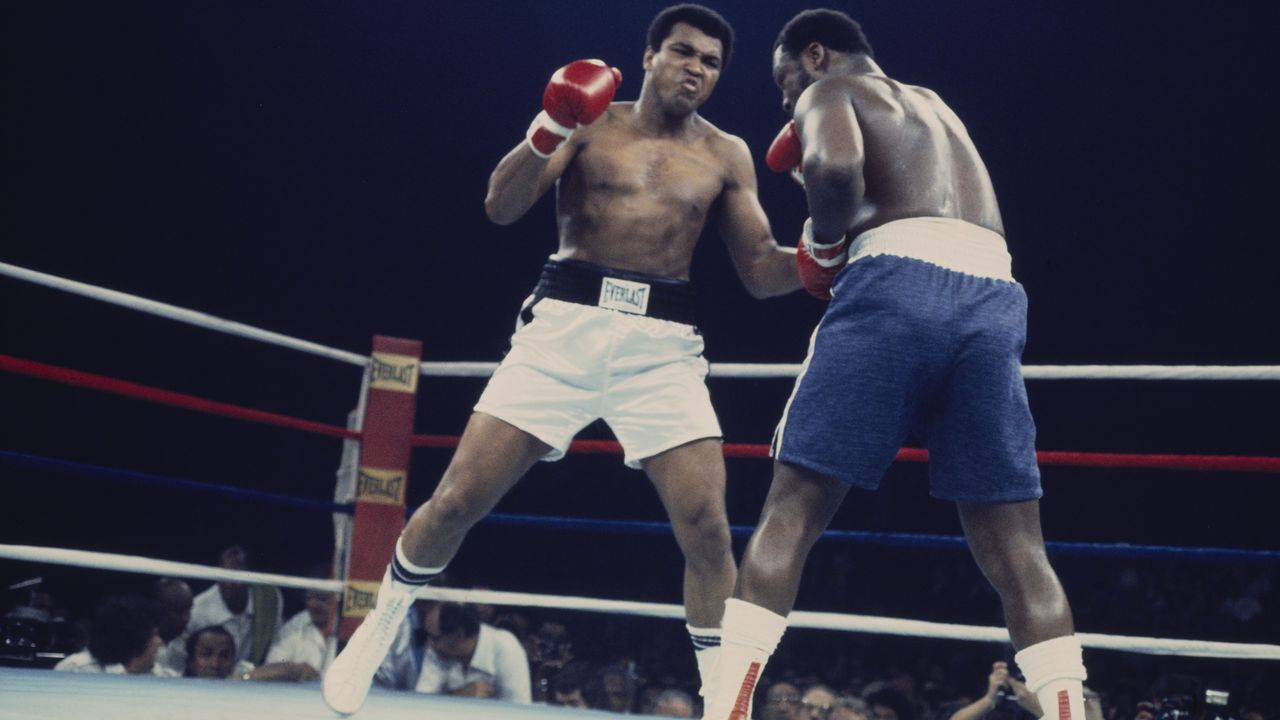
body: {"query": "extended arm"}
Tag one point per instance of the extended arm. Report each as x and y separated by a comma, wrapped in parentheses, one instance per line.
(765, 268)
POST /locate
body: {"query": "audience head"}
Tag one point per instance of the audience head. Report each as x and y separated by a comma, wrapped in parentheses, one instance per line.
(572, 686)
(782, 702)
(234, 594)
(125, 631)
(618, 687)
(211, 653)
(816, 702)
(673, 703)
(452, 630)
(173, 601)
(845, 707)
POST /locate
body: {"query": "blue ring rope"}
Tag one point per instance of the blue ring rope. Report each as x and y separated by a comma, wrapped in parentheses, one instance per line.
(35, 462)
(642, 527)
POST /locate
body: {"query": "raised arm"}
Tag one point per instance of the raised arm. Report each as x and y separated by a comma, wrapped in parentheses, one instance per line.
(577, 94)
(765, 268)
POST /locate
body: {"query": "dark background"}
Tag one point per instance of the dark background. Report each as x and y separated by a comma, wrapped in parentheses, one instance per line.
(318, 169)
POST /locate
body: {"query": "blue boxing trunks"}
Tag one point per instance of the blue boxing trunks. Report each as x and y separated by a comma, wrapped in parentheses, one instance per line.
(924, 333)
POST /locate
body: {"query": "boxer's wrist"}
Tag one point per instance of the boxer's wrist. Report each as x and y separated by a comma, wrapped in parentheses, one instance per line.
(545, 135)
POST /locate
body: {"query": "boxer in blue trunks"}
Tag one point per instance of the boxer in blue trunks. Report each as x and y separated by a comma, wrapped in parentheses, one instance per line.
(924, 332)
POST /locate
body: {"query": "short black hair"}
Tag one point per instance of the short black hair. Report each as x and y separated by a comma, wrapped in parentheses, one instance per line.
(194, 639)
(832, 28)
(704, 18)
(459, 616)
(121, 628)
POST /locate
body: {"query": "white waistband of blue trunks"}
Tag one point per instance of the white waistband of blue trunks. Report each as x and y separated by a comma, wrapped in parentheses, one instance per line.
(953, 244)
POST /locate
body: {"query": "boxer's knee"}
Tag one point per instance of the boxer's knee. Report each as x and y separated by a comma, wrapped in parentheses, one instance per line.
(703, 531)
(460, 500)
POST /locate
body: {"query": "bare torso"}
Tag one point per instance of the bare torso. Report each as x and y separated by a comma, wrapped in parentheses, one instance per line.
(635, 201)
(919, 161)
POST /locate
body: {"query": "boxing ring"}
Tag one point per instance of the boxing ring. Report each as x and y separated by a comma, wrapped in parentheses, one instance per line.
(44, 694)
(28, 693)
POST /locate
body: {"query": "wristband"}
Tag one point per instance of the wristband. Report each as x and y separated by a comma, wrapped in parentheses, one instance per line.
(545, 135)
(827, 255)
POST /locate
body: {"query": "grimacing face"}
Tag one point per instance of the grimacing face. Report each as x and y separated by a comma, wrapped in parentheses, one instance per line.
(685, 68)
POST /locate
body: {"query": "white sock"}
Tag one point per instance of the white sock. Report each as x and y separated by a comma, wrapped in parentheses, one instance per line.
(407, 576)
(706, 650)
(1055, 672)
(749, 635)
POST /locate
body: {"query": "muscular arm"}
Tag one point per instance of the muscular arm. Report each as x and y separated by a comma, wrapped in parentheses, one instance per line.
(833, 157)
(765, 268)
(521, 178)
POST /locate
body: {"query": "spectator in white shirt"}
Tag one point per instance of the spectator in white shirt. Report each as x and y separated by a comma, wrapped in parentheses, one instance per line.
(306, 637)
(211, 653)
(251, 615)
(467, 657)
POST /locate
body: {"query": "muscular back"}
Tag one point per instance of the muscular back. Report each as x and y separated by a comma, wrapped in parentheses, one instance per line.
(919, 159)
(633, 201)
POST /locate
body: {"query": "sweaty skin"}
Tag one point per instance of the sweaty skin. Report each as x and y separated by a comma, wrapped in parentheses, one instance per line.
(910, 152)
(875, 151)
(637, 202)
(636, 187)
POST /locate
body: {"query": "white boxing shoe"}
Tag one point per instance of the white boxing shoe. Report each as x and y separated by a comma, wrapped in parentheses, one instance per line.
(347, 680)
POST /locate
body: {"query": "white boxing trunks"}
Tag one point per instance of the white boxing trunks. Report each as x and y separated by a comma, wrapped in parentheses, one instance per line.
(602, 343)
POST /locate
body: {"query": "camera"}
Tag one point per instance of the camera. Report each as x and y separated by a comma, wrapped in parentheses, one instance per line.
(1185, 707)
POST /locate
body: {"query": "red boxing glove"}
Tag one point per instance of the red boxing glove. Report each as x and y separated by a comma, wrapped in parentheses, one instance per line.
(577, 94)
(818, 263)
(785, 154)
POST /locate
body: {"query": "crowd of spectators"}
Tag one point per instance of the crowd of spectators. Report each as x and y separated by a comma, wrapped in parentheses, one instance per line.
(644, 666)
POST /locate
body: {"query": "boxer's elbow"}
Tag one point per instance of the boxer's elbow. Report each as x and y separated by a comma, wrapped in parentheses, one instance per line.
(499, 212)
(834, 176)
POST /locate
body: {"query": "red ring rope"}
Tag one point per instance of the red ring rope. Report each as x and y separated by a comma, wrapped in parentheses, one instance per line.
(1227, 463)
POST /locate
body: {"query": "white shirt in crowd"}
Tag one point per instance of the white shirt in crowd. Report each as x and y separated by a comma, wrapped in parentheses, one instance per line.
(85, 662)
(499, 659)
(299, 640)
(209, 609)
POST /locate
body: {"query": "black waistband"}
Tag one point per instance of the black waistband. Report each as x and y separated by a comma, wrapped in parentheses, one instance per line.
(635, 293)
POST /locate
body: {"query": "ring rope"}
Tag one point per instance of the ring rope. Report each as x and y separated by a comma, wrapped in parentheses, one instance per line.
(643, 527)
(1029, 372)
(797, 619)
(718, 370)
(77, 378)
(1163, 461)
(867, 537)
(173, 312)
(46, 464)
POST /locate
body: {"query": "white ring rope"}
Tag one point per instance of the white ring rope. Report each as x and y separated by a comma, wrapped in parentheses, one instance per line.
(1029, 372)
(173, 312)
(798, 619)
(718, 370)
